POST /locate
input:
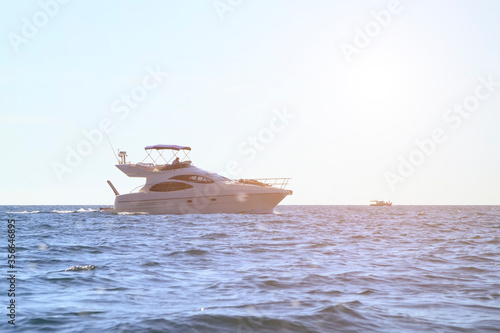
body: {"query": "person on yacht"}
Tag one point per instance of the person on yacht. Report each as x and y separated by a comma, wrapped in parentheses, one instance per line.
(176, 161)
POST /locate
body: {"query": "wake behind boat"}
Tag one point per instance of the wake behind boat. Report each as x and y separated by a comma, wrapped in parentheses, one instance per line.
(178, 187)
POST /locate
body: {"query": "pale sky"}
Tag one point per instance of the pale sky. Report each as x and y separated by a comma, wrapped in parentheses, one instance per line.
(354, 100)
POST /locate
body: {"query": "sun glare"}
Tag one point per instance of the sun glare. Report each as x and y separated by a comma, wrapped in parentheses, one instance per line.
(375, 88)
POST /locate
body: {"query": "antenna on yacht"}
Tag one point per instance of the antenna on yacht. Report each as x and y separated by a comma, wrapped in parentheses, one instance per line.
(113, 188)
(112, 149)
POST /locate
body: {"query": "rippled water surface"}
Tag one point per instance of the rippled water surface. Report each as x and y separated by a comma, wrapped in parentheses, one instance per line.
(302, 269)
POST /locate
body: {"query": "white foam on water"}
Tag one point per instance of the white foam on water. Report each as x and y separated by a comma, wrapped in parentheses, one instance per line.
(80, 268)
(133, 213)
(25, 212)
(81, 210)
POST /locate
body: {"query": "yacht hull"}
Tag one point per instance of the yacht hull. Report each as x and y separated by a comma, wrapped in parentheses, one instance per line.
(231, 203)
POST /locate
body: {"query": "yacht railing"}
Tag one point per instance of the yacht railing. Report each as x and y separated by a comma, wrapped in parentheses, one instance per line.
(135, 188)
(148, 165)
(280, 183)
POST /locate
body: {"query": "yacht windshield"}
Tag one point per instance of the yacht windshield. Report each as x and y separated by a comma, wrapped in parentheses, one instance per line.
(218, 177)
(194, 179)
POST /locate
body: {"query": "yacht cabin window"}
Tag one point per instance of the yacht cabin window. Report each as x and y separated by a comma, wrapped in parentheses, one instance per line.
(193, 179)
(169, 186)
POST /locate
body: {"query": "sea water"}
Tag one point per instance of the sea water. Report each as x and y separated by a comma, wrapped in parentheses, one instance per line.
(301, 269)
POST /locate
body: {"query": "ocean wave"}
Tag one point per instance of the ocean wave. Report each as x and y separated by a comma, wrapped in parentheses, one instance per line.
(204, 321)
(25, 212)
(81, 210)
(131, 213)
(374, 272)
(194, 252)
(215, 235)
(56, 211)
(80, 268)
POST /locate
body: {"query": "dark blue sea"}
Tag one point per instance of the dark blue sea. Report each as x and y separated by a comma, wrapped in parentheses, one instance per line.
(301, 269)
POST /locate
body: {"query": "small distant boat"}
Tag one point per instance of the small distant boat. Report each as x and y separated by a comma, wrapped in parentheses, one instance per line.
(380, 203)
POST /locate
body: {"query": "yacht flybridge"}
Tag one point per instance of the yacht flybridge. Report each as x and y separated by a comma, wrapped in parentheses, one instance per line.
(176, 186)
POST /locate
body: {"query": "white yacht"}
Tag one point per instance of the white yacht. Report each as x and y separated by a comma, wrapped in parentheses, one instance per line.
(176, 186)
